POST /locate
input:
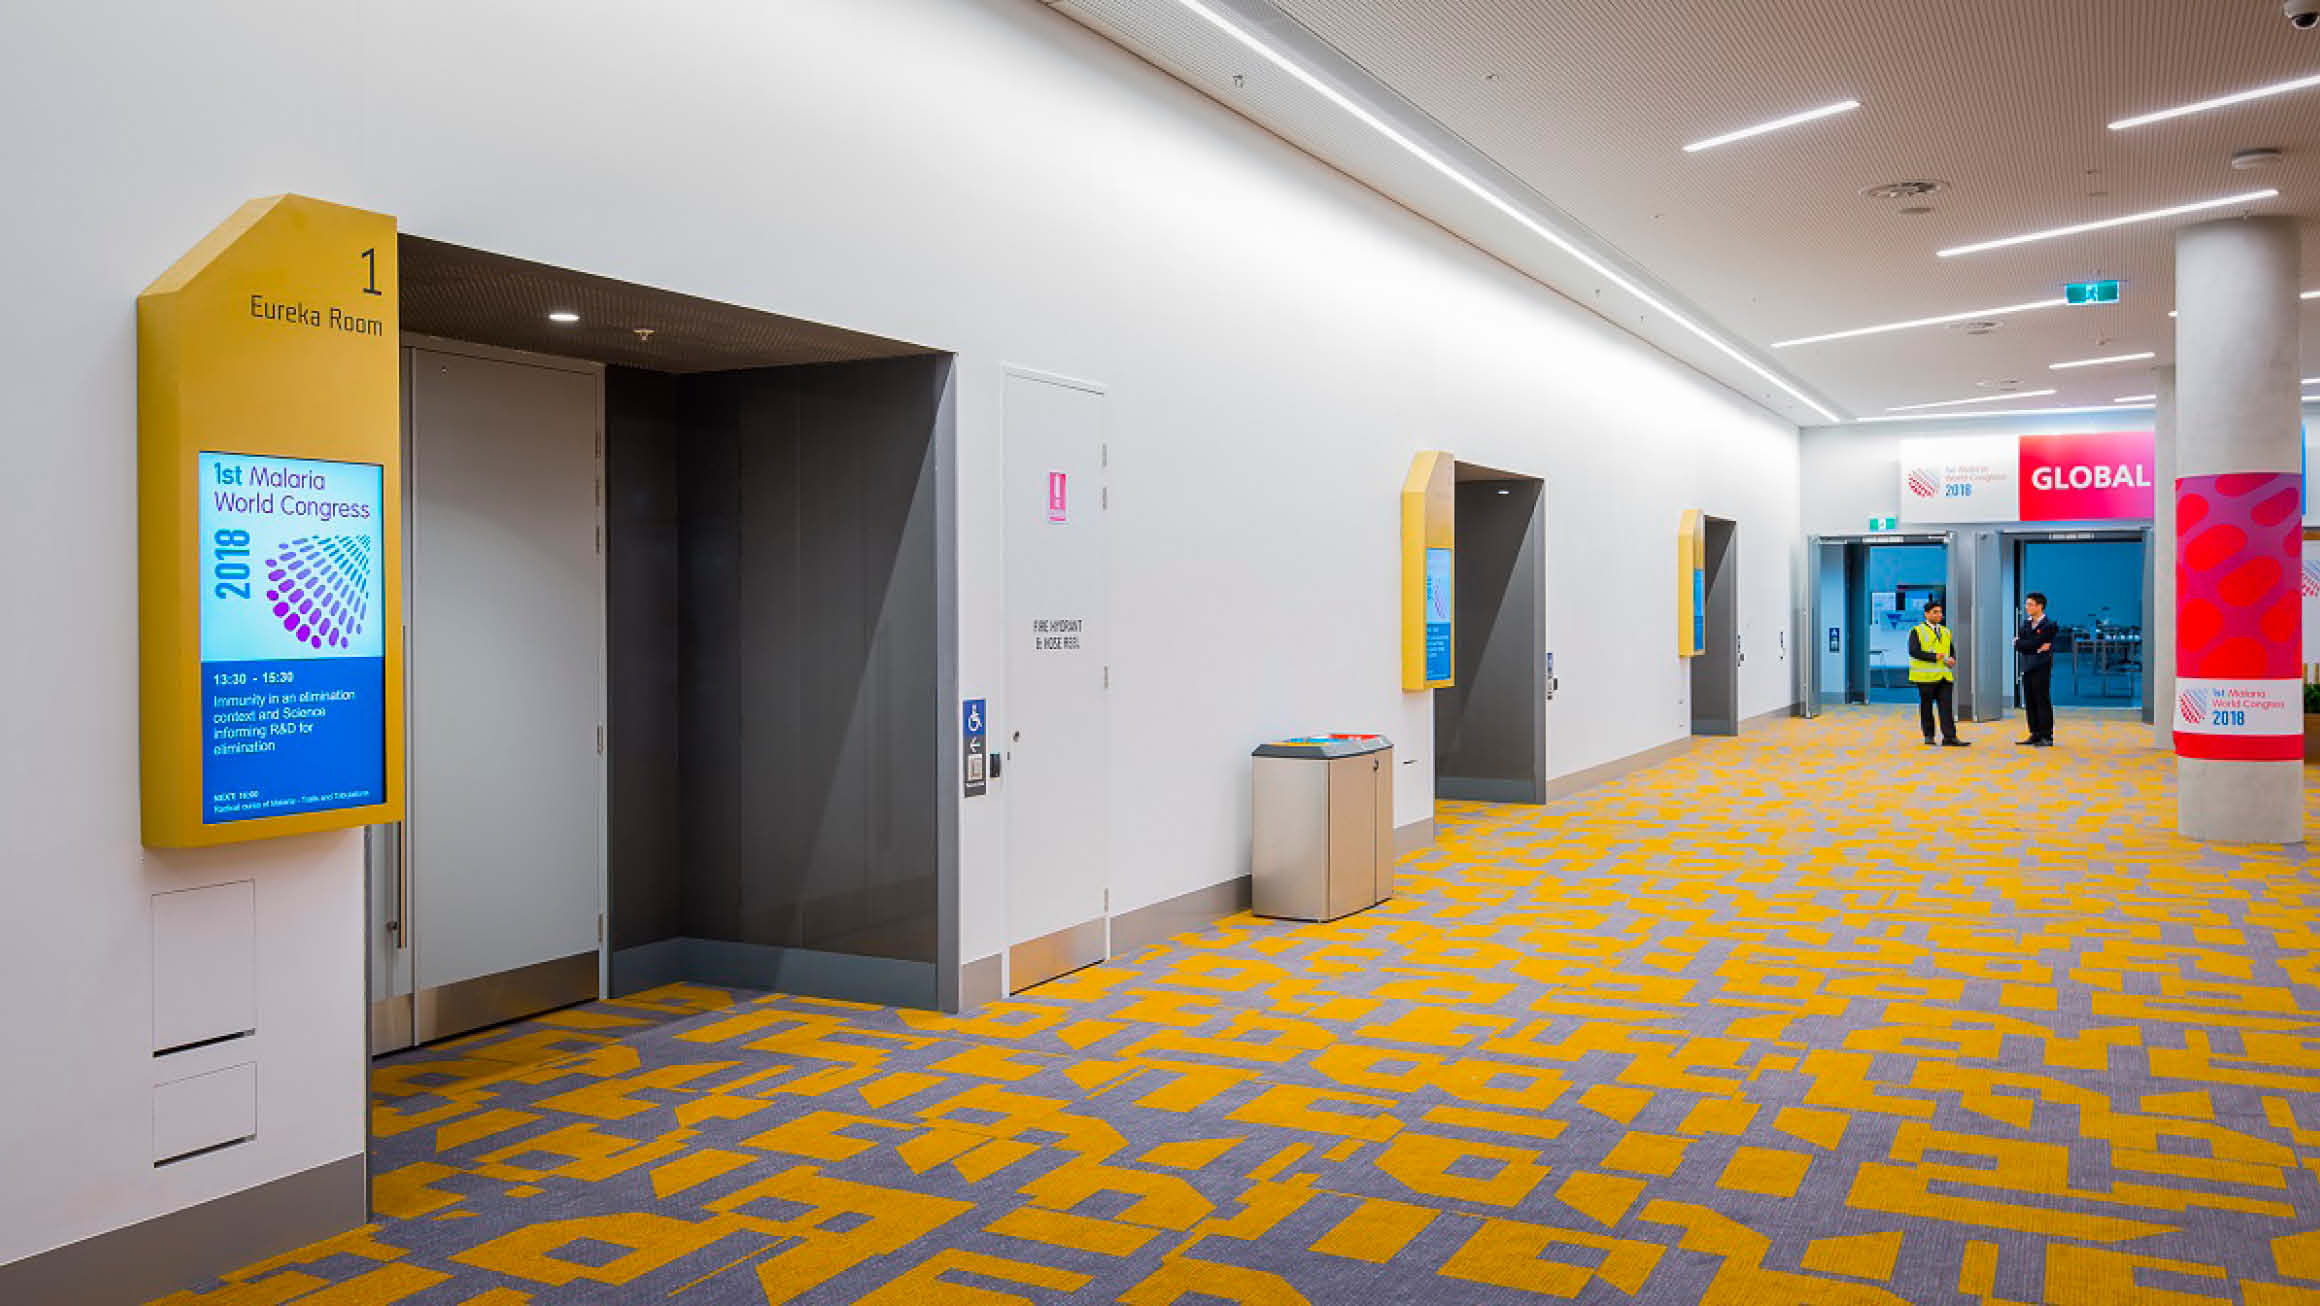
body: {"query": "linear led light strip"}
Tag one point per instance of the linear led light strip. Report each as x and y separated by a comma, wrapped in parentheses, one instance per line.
(2220, 101)
(2131, 399)
(1977, 399)
(1882, 327)
(1487, 196)
(2125, 403)
(2005, 412)
(2309, 294)
(2097, 362)
(1792, 120)
(2051, 233)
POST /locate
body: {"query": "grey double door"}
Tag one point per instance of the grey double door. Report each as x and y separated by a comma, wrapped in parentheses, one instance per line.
(486, 902)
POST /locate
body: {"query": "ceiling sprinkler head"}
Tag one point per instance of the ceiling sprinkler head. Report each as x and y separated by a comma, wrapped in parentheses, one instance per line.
(1905, 190)
(644, 335)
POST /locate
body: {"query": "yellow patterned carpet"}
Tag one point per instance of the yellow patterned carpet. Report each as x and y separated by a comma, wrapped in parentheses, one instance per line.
(1813, 1016)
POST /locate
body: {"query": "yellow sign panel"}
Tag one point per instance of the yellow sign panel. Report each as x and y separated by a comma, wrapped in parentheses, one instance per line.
(270, 528)
(1691, 585)
(1429, 572)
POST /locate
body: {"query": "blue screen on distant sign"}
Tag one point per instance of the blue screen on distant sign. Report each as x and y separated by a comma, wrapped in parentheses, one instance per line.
(293, 636)
(1439, 598)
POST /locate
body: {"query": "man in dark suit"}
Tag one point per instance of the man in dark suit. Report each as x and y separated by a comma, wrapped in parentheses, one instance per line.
(2035, 643)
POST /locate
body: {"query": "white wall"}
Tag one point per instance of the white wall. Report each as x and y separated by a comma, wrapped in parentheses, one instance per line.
(979, 175)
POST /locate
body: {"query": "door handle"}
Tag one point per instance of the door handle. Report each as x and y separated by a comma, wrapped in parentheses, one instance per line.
(397, 928)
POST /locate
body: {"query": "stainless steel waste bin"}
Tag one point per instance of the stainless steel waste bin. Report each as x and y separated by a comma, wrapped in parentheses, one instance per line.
(1322, 843)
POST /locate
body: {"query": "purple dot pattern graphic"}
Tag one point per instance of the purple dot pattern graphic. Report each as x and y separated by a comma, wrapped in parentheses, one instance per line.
(319, 588)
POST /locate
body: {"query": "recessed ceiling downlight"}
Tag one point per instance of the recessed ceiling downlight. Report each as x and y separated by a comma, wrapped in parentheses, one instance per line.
(564, 316)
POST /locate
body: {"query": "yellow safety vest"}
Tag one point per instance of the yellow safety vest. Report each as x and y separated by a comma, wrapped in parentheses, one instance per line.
(1934, 640)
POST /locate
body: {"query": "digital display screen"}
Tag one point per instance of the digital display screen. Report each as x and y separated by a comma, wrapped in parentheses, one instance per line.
(1439, 599)
(293, 635)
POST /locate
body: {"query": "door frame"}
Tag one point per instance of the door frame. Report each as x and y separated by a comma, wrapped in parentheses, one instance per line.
(1975, 581)
(1855, 589)
(1807, 635)
(1532, 787)
(1088, 943)
(399, 1014)
(1723, 647)
(2013, 537)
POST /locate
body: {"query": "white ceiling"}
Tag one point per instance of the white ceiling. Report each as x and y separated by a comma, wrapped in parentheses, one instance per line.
(1586, 104)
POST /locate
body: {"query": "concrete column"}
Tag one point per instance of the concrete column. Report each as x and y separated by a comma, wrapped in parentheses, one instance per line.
(2159, 625)
(2239, 538)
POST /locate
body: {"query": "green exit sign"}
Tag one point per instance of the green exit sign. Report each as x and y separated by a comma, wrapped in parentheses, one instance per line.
(2092, 292)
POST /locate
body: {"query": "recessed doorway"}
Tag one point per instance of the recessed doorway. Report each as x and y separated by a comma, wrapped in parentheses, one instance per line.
(1716, 669)
(1490, 737)
(2096, 585)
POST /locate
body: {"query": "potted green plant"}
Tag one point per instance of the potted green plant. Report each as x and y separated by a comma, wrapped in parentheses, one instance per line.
(2311, 722)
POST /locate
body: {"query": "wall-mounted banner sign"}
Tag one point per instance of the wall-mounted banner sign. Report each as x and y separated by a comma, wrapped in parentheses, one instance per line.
(2003, 478)
(2239, 682)
(293, 636)
(1440, 589)
(1429, 572)
(269, 509)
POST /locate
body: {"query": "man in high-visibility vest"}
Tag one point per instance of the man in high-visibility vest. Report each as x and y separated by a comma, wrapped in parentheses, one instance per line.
(1933, 669)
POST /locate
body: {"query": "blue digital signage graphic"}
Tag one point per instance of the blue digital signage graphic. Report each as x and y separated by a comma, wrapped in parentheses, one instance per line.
(1438, 610)
(293, 636)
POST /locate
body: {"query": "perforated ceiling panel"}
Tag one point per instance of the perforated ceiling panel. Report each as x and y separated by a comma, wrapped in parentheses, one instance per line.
(1589, 103)
(491, 299)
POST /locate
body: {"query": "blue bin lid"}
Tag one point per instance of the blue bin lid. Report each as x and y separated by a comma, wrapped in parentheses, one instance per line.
(1324, 746)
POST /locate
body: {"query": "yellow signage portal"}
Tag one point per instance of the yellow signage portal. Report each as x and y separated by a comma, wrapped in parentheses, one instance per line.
(270, 528)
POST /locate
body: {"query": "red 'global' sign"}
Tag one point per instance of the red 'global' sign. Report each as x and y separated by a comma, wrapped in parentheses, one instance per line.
(2098, 477)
